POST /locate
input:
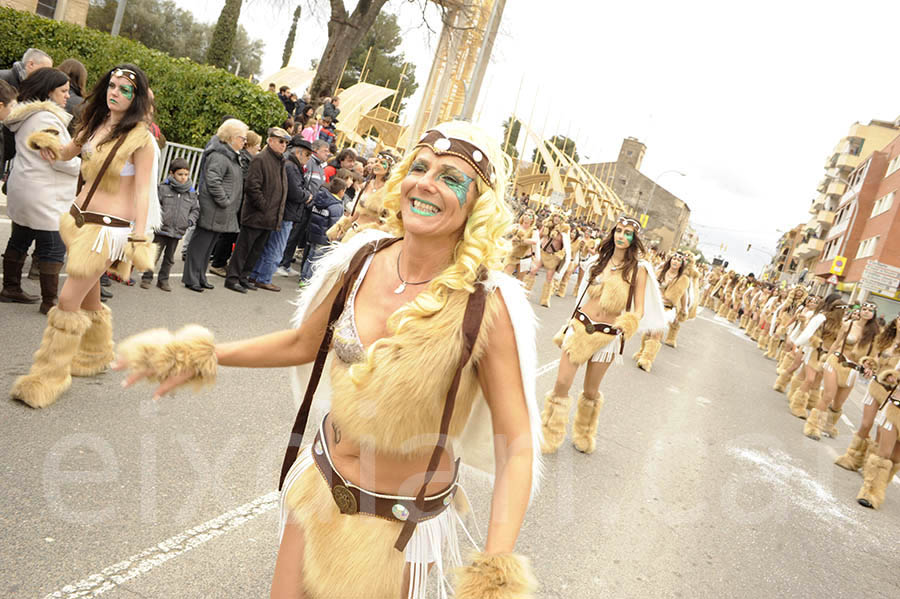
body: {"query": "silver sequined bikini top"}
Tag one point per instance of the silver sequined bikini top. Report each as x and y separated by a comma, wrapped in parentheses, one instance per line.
(346, 343)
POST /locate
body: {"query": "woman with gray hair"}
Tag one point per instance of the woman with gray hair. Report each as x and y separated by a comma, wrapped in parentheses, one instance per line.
(221, 188)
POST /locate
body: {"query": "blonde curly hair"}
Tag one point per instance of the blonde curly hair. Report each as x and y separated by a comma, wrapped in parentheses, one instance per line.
(481, 246)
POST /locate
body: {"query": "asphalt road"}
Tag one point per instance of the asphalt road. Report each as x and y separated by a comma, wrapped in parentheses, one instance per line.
(702, 484)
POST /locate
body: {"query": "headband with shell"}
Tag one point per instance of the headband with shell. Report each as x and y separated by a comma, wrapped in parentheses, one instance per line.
(126, 73)
(440, 144)
(627, 220)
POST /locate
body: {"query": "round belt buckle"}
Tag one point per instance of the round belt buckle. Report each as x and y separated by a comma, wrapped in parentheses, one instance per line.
(79, 220)
(345, 500)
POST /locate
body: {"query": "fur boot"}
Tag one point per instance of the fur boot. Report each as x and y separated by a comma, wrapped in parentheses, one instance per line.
(672, 335)
(96, 350)
(13, 264)
(645, 362)
(798, 403)
(853, 458)
(814, 396)
(563, 284)
(584, 427)
(813, 426)
(782, 381)
(875, 481)
(554, 418)
(49, 376)
(772, 352)
(496, 576)
(784, 362)
(546, 292)
(762, 341)
(637, 355)
(831, 423)
(743, 322)
(529, 282)
(49, 277)
(780, 356)
(692, 314)
(796, 381)
(732, 316)
(723, 310)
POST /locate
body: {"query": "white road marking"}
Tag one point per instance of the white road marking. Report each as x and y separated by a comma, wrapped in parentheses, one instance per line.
(846, 420)
(112, 576)
(703, 401)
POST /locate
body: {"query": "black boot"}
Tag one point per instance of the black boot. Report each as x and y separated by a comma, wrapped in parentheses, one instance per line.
(49, 274)
(13, 263)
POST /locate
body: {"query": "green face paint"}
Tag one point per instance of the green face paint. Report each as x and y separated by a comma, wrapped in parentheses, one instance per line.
(629, 236)
(459, 184)
(127, 91)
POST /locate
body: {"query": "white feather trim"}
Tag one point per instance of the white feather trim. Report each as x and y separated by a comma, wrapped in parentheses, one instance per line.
(154, 212)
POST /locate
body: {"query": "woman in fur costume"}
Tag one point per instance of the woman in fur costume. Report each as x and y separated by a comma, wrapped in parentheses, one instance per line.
(775, 334)
(673, 282)
(576, 248)
(887, 348)
(430, 370)
(792, 361)
(764, 324)
(525, 240)
(853, 353)
(883, 461)
(113, 229)
(814, 342)
(618, 291)
(553, 255)
(588, 256)
(368, 211)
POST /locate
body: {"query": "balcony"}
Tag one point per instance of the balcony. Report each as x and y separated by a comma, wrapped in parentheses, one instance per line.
(835, 188)
(818, 204)
(811, 248)
(823, 185)
(825, 218)
(831, 161)
(847, 161)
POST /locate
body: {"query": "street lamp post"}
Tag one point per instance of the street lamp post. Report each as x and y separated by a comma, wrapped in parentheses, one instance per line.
(652, 189)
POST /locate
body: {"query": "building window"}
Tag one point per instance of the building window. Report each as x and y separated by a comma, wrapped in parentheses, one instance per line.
(629, 153)
(855, 145)
(883, 204)
(867, 247)
(893, 165)
(623, 182)
(46, 8)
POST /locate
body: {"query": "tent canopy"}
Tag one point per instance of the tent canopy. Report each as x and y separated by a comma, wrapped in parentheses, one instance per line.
(296, 79)
(356, 101)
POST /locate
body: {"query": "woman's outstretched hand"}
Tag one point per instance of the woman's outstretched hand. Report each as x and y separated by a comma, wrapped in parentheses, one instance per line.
(167, 386)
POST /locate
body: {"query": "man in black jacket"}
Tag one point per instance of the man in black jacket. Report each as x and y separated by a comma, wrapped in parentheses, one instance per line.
(265, 192)
(295, 213)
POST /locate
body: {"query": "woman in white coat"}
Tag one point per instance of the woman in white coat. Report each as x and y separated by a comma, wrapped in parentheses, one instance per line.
(38, 191)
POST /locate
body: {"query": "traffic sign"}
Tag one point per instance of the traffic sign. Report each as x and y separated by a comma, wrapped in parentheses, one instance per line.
(837, 265)
(832, 280)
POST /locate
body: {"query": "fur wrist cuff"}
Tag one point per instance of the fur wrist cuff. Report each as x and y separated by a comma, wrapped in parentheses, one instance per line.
(46, 139)
(165, 355)
(628, 322)
(496, 576)
(889, 377)
(869, 362)
(142, 254)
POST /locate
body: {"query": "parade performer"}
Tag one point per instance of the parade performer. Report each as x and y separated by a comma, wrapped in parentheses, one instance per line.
(747, 304)
(588, 256)
(792, 360)
(887, 347)
(696, 278)
(852, 353)
(368, 210)
(722, 293)
(782, 308)
(577, 247)
(617, 297)
(734, 299)
(406, 377)
(710, 285)
(554, 254)
(107, 224)
(524, 245)
(764, 324)
(814, 340)
(883, 462)
(673, 283)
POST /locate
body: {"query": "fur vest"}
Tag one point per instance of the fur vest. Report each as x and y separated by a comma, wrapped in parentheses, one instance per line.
(611, 295)
(676, 289)
(92, 161)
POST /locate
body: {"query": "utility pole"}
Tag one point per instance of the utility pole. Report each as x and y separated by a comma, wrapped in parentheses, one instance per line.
(484, 57)
(120, 12)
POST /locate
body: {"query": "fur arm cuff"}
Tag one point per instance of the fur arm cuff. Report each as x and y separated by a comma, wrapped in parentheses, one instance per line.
(164, 355)
(496, 576)
(869, 362)
(889, 377)
(47, 138)
(628, 322)
(142, 254)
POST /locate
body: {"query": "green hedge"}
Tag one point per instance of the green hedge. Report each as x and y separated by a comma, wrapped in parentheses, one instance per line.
(191, 98)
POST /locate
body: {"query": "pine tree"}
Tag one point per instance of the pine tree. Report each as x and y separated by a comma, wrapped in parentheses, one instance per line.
(222, 43)
(289, 42)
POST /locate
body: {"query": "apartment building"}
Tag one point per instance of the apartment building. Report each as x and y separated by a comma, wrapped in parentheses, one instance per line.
(71, 11)
(785, 262)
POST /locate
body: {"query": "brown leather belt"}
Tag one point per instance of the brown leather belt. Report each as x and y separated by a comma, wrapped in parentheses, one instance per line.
(848, 363)
(352, 500)
(95, 218)
(600, 327)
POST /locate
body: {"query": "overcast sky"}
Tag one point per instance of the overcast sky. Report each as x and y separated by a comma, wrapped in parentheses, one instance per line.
(747, 99)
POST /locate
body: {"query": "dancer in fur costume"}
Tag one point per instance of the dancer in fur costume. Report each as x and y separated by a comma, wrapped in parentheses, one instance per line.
(790, 369)
(431, 369)
(617, 293)
(113, 230)
(814, 342)
(525, 240)
(673, 283)
(576, 248)
(853, 353)
(368, 210)
(883, 461)
(887, 348)
(553, 255)
(588, 256)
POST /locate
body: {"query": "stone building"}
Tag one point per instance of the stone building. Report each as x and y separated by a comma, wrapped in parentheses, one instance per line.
(668, 215)
(71, 11)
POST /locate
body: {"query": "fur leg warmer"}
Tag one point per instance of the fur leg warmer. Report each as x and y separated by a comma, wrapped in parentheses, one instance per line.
(853, 458)
(796, 381)
(165, 355)
(672, 336)
(546, 292)
(496, 576)
(564, 284)
(743, 321)
(529, 282)
(798, 403)
(772, 351)
(95, 352)
(813, 426)
(782, 381)
(50, 375)
(142, 254)
(584, 427)
(875, 481)
(723, 310)
(554, 418)
(762, 341)
(645, 362)
(831, 422)
(814, 396)
(637, 355)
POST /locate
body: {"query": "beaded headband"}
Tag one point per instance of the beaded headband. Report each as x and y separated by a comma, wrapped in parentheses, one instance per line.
(627, 220)
(440, 144)
(869, 305)
(126, 73)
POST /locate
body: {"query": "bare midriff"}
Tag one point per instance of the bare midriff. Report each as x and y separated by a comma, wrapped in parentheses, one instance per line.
(381, 473)
(116, 203)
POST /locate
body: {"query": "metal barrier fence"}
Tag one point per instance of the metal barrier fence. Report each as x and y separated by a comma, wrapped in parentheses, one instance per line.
(173, 151)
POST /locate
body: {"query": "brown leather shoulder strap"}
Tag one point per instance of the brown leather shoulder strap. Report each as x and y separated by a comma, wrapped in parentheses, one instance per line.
(471, 324)
(631, 287)
(96, 182)
(356, 264)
